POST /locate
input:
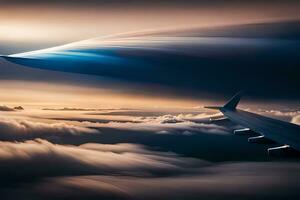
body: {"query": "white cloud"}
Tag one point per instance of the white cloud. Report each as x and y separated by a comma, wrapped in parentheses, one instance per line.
(45, 158)
(282, 113)
(168, 124)
(22, 129)
(296, 119)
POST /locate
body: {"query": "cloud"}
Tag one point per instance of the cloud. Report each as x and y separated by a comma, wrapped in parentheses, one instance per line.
(12, 129)
(26, 166)
(135, 113)
(282, 113)
(40, 158)
(171, 124)
(44, 170)
(84, 109)
(222, 181)
(38, 168)
(96, 120)
(184, 123)
(18, 108)
(6, 108)
(296, 119)
(226, 181)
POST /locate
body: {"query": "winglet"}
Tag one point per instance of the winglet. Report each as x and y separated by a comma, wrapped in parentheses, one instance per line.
(233, 102)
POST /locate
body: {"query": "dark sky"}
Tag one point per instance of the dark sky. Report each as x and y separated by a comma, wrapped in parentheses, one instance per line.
(146, 2)
(248, 45)
(31, 25)
(261, 59)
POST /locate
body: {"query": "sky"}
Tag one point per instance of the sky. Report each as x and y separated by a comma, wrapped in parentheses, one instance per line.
(218, 31)
(105, 99)
(38, 24)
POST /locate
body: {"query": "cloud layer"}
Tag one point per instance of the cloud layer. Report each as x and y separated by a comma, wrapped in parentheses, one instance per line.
(129, 171)
(40, 158)
(155, 156)
(296, 119)
(12, 129)
(126, 171)
(6, 108)
(225, 181)
(166, 124)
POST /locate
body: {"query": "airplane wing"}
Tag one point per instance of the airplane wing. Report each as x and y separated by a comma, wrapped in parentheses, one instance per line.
(284, 133)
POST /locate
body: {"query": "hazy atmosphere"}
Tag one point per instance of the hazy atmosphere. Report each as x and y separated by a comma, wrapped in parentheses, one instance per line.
(106, 99)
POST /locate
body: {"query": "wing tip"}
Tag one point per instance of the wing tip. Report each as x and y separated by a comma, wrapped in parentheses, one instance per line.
(234, 101)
